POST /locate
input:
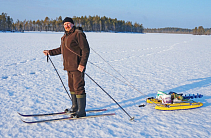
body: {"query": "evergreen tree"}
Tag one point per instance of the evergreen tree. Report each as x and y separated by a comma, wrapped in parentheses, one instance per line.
(195, 31)
(46, 23)
(5, 22)
(200, 30)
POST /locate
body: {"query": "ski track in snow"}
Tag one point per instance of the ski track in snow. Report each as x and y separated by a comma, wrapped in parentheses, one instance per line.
(18, 65)
(150, 62)
(149, 54)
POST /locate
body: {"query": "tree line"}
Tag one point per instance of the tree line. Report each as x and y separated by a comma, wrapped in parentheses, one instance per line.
(197, 31)
(201, 31)
(6, 23)
(90, 23)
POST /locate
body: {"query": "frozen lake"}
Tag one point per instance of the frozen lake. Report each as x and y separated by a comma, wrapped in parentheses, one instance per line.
(150, 62)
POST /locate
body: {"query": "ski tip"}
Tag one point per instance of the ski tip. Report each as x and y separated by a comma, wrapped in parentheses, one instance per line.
(22, 114)
(19, 113)
(23, 121)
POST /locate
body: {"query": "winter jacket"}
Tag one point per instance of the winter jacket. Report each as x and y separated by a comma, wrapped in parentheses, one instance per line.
(74, 48)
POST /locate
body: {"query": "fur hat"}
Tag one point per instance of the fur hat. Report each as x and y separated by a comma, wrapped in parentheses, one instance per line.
(68, 19)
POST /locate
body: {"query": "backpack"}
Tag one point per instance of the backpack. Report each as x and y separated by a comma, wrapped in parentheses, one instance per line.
(79, 28)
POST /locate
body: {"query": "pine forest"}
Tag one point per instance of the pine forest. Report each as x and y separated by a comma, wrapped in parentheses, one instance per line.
(91, 24)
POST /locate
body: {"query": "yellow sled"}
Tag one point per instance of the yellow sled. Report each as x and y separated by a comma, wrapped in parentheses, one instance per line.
(183, 105)
(153, 100)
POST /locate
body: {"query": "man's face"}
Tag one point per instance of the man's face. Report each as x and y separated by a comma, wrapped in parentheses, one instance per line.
(68, 26)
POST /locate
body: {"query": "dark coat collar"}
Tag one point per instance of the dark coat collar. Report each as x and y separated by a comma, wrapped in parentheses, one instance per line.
(71, 31)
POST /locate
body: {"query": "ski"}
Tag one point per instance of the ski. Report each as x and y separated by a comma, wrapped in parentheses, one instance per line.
(58, 113)
(67, 118)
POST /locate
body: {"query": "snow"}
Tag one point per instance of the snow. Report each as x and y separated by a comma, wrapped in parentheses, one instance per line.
(150, 62)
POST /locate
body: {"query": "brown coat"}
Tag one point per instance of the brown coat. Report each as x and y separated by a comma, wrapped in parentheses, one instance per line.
(73, 44)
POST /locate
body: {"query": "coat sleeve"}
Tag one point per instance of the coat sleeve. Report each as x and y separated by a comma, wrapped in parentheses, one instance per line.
(84, 46)
(56, 51)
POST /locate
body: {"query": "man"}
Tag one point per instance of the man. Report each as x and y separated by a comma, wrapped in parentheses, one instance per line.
(75, 50)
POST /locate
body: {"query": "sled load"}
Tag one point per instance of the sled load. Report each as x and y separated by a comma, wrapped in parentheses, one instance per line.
(174, 101)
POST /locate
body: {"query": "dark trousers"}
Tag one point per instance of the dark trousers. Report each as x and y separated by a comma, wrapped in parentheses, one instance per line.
(76, 82)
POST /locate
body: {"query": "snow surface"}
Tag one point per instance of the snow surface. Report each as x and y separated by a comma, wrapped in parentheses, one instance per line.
(150, 62)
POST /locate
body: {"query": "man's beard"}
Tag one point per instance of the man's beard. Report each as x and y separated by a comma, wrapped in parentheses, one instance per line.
(67, 29)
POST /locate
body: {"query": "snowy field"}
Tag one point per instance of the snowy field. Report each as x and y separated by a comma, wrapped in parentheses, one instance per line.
(151, 62)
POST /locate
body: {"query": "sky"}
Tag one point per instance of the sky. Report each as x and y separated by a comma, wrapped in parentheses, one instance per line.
(150, 13)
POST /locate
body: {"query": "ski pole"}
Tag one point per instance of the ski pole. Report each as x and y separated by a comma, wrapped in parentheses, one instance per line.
(131, 118)
(59, 76)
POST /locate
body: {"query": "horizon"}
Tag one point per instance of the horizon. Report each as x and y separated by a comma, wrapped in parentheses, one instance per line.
(152, 14)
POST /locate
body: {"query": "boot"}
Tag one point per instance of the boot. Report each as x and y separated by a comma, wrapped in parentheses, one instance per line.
(81, 100)
(74, 107)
